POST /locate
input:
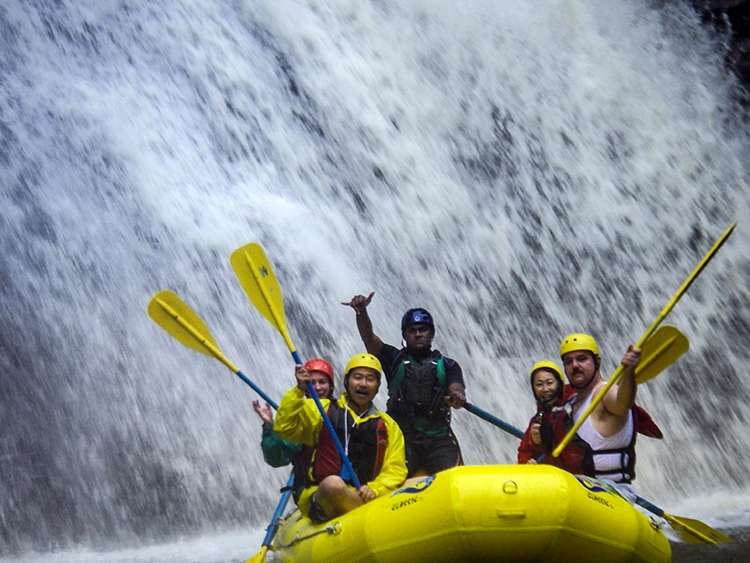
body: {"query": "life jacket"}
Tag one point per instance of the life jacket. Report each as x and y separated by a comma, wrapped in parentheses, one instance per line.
(366, 449)
(418, 389)
(578, 456)
(300, 468)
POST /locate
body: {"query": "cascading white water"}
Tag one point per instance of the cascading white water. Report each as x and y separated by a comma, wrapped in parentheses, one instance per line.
(522, 170)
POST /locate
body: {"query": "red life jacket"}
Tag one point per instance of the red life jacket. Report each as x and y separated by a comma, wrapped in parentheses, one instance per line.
(541, 453)
(366, 449)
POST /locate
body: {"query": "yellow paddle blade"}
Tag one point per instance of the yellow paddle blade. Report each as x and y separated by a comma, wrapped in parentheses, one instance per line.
(259, 557)
(642, 341)
(178, 319)
(255, 273)
(660, 351)
(695, 531)
(168, 310)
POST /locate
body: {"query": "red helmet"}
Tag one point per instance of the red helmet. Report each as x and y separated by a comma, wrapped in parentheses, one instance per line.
(319, 364)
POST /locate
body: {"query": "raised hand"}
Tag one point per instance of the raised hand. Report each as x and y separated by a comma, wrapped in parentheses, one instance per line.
(359, 303)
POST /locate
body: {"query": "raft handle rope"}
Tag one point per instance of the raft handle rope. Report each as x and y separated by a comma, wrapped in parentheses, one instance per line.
(334, 529)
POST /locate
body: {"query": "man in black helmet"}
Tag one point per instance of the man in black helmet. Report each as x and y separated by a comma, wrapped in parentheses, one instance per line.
(422, 386)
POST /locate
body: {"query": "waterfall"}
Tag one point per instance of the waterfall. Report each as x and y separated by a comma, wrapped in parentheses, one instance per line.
(521, 169)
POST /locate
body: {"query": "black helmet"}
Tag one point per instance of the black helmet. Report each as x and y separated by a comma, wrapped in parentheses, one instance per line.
(415, 317)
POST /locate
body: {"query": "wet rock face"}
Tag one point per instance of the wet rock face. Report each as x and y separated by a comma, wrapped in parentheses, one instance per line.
(719, 4)
(733, 18)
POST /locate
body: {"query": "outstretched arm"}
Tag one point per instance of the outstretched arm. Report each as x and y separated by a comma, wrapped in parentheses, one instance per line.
(372, 341)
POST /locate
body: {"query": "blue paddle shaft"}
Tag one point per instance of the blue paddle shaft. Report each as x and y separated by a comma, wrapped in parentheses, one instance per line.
(258, 390)
(648, 506)
(331, 431)
(473, 409)
(273, 526)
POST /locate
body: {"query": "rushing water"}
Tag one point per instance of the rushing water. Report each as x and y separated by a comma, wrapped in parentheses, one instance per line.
(521, 169)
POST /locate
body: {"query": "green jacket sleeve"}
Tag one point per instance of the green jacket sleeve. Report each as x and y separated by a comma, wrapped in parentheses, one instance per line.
(276, 451)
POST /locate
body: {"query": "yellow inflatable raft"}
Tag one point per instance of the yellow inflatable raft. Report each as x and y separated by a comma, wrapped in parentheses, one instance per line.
(472, 514)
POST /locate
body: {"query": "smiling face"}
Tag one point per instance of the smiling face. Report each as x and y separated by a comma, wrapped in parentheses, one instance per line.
(546, 386)
(418, 336)
(321, 384)
(361, 386)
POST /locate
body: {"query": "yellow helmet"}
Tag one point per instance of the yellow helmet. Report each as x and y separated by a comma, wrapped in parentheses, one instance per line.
(364, 361)
(551, 366)
(578, 341)
(546, 364)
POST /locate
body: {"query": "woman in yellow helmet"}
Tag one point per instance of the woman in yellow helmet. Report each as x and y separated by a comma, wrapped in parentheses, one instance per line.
(372, 440)
(551, 394)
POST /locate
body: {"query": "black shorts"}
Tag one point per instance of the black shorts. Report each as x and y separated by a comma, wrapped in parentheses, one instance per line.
(315, 513)
(430, 454)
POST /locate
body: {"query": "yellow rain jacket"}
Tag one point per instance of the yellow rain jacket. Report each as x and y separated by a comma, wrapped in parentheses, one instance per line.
(298, 420)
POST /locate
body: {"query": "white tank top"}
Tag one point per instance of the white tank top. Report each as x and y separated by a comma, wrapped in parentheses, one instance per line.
(605, 462)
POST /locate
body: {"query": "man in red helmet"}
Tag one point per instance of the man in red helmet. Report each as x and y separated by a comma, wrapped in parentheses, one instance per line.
(422, 387)
(278, 452)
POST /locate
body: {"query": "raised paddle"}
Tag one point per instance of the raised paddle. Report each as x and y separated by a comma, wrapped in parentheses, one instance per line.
(255, 273)
(660, 351)
(664, 312)
(179, 320)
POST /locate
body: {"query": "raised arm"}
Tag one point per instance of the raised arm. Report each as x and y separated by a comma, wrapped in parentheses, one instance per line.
(372, 341)
(621, 397)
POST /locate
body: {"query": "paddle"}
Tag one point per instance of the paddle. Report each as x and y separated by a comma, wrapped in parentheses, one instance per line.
(179, 320)
(255, 273)
(667, 308)
(509, 428)
(260, 557)
(660, 351)
(690, 530)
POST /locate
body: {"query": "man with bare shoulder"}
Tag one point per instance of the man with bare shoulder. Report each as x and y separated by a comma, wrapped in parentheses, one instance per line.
(609, 432)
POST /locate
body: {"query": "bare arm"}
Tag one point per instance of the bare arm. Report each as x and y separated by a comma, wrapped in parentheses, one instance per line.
(621, 397)
(372, 341)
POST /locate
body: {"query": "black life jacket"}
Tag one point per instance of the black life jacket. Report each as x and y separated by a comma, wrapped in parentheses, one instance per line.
(578, 456)
(367, 444)
(300, 468)
(418, 389)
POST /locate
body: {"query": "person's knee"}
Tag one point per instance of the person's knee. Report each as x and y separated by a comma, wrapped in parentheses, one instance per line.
(333, 485)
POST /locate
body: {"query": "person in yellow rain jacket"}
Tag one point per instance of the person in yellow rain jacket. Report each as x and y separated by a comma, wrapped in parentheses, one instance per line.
(371, 439)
